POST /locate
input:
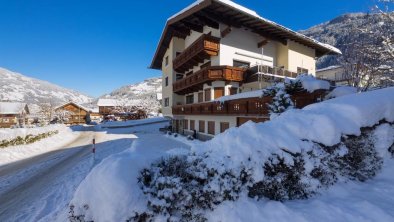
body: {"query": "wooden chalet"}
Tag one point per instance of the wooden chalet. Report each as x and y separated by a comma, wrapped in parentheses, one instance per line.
(13, 114)
(72, 113)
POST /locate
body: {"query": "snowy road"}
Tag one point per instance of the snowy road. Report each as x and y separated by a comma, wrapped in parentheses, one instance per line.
(33, 189)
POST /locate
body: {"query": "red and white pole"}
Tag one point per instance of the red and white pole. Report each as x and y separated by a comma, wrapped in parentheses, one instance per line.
(94, 148)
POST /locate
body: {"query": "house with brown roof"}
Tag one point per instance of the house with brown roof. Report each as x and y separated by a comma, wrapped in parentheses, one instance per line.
(13, 114)
(216, 48)
(72, 113)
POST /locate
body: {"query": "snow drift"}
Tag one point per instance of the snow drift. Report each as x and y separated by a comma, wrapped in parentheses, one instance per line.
(293, 147)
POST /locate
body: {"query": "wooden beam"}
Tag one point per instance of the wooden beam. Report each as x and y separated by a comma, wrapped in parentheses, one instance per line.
(262, 43)
(209, 22)
(193, 26)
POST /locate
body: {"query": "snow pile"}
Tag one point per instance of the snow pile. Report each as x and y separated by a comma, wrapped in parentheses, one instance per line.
(342, 91)
(292, 157)
(311, 84)
(15, 153)
(111, 190)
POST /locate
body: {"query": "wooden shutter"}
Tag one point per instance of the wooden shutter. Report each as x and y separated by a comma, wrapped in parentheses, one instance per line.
(211, 127)
(201, 126)
(207, 95)
(200, 97)
(224, 126)
(219, 92)
(185, 124)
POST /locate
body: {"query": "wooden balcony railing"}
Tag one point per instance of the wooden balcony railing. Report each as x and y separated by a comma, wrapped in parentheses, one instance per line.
(203, 48)
(268, 72)
(195, 81)
(255, 106)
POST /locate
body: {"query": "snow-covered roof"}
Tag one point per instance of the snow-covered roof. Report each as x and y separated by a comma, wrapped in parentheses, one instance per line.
(12, 107)
(76, 104)
(328, 68)
(108, 102)
(207, 6)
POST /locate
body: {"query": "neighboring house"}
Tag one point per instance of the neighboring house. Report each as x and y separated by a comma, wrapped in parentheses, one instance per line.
(334, 74)
(13, 114)
(72, 113)
(108, 106)
(95, 114)
(216, 48)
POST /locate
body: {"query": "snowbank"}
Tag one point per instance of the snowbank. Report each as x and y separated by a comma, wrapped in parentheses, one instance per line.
(111, 190)
(131, 123)
(342, 91)
(311, 84)
(14, 153)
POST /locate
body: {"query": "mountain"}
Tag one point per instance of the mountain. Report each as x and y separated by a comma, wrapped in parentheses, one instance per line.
(143, 94)
(340, 31)
(17, 87)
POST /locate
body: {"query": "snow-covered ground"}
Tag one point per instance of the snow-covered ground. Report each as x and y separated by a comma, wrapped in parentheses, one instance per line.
(41, 187)
(15, 153)
(251, 145)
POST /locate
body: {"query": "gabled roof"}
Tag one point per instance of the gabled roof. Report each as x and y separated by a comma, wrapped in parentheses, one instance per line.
(13, 108)
(213, 12)
(108, 102)
(75, 104)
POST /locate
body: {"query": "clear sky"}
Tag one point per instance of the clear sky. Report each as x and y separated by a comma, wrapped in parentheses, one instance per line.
(97, 46)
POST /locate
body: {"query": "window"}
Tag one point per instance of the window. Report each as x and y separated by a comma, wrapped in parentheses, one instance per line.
(207, 95)
(185, 124)
(232, 90)
(189, 99)
(207, 64)
(166, 102)
(201, 126)
(211, 127)
(179, 76)
(166, 60)
(218, 92)
(192, 125)
(177, 54)
(302, 70)
(200, 97)
(224, 126)
(241, 64)
(166, 81)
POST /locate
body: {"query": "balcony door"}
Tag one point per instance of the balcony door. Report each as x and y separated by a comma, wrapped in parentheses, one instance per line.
(219, 92)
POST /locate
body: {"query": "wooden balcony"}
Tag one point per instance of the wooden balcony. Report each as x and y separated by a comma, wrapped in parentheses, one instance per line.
(203, 48)
(195, 81)
(244, 107)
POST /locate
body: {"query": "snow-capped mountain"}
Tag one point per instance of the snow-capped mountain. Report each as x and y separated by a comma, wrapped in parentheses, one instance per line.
(17, 87)
(339, 31)
(143, 94)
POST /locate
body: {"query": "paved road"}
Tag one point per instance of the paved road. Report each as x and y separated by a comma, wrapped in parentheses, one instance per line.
(52, 166)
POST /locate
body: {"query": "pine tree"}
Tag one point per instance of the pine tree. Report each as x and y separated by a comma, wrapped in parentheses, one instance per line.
(280, 103)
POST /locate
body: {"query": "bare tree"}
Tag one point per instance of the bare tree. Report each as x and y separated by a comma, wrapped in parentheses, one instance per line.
(367, 55)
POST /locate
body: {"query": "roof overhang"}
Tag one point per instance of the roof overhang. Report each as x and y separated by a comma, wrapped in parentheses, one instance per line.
(213, 12)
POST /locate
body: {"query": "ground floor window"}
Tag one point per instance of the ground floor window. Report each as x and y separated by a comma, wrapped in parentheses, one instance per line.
(166, 102)
(192, 125)
(185, 124)
(201, 126)
(211, 127)
(224, 126)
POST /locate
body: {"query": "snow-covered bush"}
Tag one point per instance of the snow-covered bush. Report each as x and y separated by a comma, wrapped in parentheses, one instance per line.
(179, 187)
(280, 103)
(28, 139)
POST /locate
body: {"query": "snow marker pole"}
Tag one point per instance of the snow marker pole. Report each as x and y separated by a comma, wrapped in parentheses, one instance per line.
(94, 149)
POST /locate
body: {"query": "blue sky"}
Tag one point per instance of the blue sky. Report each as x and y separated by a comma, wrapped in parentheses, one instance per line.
(97, 46)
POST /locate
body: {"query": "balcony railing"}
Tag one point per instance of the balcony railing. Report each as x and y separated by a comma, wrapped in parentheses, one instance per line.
(269, 72)
(195, 81)
(203, 48)
(255, 106)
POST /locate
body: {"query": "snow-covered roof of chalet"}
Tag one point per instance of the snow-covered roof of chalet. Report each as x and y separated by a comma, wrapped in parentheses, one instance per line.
(12, 107)
(108, 102)
(328, 68)
(213, 12)
(76, 104)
